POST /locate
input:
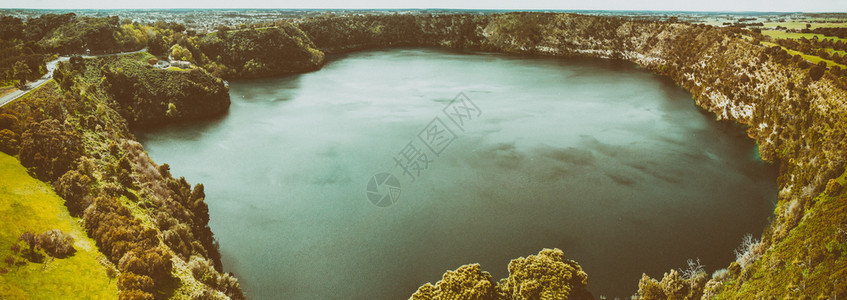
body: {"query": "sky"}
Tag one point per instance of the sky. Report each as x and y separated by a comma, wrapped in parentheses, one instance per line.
(677, 5)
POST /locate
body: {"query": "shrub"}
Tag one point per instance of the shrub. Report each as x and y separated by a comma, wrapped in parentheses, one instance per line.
(56, 243)
(816, 72)
(50, 149)
(467, 282)
(833, 188)
(9, 122)
(228, 284)
(131, 281)
(547, 275)
(9, 142)
(649, 288)
(74, 188)
(177, 238)
(746, 253)
(135, 295)
(203, 270)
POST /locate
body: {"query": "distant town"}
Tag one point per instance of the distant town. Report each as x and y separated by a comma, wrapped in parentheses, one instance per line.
(209, 20)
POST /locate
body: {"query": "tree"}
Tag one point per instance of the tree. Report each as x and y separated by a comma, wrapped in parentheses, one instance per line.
(22, 73)
(56, 243)
(8, 121)
(74, 188)
(11, 28)
(835, 70)
(132, 281)
(816, 72)
(180, 53)
(547, 275)
(135, 295)
(9, 142)
(29, 239)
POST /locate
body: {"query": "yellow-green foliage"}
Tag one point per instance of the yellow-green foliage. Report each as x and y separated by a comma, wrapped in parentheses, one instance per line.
(814, 59)
(779, 34)
(810, 261)
(802, 25)
(547, 275)
(27, 204)
(467, 282)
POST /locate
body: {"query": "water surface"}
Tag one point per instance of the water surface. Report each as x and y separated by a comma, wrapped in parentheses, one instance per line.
(604, 160)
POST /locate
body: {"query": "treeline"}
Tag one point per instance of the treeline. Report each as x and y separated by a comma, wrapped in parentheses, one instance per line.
(245, 53)
(821, 48)
(839, 32)
(25, 44)
(146, 96)
(74, 133)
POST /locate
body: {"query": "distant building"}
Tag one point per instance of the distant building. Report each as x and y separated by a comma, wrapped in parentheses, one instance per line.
(181, 64)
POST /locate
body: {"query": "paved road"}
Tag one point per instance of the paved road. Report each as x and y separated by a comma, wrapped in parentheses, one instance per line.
(51, 65)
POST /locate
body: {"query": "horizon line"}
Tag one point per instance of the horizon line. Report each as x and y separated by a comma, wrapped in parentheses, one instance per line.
(430, 8)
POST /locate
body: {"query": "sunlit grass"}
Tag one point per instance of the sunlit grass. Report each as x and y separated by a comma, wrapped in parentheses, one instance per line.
(802, 25)
(27, 204)
(779, 34)
(811, 58)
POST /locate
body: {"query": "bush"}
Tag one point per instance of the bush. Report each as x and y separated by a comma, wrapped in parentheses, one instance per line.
(547, 275)
(10, 122)
(56, 243)
(135, 295)
(203, 270)
(74, 188)
(816, 72)
(228, 284)
(747, 253)
(9, 142)
(50, 148)
(131, 281)
(833, 188)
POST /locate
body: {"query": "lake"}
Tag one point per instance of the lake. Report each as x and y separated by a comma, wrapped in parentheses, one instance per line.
(484, 158)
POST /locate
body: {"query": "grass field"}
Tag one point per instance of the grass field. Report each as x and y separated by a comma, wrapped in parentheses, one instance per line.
(840, 52)
(27, 204)
(801, 25)
(779, 34)
(811, 58)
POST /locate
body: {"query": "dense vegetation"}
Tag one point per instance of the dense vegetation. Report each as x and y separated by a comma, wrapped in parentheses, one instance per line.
(77, 136)
(547, 275)
(25, 45)
(281, 48)
(144, 95)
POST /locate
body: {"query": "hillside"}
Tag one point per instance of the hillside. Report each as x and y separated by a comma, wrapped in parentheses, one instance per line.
(151, 226)
(29, 205)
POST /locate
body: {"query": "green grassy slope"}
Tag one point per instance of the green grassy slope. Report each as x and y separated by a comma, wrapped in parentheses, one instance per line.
(27, 204)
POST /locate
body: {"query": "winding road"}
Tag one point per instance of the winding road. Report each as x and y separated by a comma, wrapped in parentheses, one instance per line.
(51, 66)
